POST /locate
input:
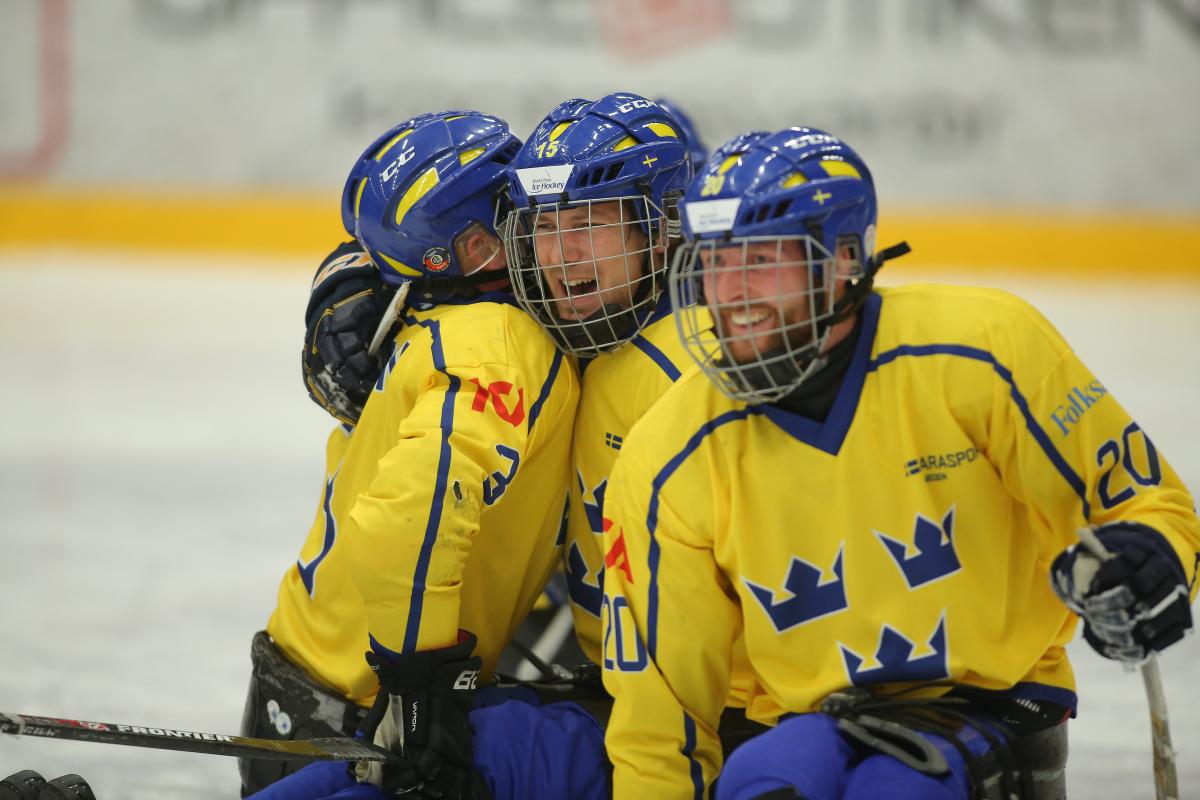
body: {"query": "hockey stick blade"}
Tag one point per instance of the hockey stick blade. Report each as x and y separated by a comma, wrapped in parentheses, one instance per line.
(332, 749)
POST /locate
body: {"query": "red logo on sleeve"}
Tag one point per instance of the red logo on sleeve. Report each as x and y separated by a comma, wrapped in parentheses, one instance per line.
(617, 556)
(497, 391)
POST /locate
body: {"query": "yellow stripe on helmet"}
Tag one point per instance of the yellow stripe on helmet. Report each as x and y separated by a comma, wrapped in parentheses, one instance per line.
(415, 192)
(840, 169)
(795, 179)
(403, 269)
(467, 156)
(625, 144)
(559, 129)
(728, 163)
(662, 129)
(392, 143)
(358, 193)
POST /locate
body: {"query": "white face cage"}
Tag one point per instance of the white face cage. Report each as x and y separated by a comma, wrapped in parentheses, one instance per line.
(772, 301)
(586, 270)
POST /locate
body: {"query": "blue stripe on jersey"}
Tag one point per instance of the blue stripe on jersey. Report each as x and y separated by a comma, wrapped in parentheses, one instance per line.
(308, 572)
(652, 514)
(390, 654)
(1035, 430)
(536, 410)
(439, 490)
(657, 356)
(828, 436)
(689, 748)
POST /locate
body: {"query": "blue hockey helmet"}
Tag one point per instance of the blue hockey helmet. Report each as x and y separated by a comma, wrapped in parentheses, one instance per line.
(420, 187)
(697, 150)
(595, 192)
(786, 222)
(795, 181)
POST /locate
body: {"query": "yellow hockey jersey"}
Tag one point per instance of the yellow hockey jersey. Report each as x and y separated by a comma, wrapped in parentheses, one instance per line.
(907, 539)
(619, 387)
(440, 510)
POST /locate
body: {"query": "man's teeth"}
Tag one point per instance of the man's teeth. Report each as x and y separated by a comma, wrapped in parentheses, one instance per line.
(579, 282)
(752, 318)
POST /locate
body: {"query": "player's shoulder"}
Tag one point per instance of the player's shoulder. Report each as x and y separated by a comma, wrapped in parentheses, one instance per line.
(490, 331)
(650, 362)
(676, 423)
(974, 316)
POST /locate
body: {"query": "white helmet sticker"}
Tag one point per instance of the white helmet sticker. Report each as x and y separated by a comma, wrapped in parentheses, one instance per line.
(545, 180)
(707, 216)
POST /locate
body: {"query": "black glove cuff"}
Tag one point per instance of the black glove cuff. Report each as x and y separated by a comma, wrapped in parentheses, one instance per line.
(344, 272)
(1119, 537)
(438, 669)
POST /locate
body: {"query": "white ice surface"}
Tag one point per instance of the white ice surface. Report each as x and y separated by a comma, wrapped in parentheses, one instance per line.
(160, 463)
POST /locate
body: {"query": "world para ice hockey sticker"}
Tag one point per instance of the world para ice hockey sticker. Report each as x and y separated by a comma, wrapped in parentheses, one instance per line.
(436, 259)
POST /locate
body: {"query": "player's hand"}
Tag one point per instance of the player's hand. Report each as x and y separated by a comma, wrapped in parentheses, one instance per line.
(421, 714)
(347, 301)
(1133, 599)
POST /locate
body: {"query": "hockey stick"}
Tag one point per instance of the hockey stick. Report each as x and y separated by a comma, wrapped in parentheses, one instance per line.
(557, 631)
(331, 749)
(389, 318)
(1166, 780)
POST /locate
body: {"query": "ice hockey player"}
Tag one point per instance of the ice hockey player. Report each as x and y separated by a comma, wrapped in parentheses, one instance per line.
(628, 342)
(440, 509)
(874, 487)
(596, 285)
(587, 251)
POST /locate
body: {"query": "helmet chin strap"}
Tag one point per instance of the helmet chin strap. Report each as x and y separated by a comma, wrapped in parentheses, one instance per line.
(856, 292)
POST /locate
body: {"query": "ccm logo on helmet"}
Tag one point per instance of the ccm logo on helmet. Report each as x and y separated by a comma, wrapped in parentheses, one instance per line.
(625, 108)
(391, 169)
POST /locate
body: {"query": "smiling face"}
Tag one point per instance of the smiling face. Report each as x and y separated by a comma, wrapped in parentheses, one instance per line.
(590, 256)
(765, 295)
(759, 295)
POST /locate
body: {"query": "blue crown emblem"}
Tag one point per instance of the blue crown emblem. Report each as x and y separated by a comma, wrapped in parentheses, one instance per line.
(895, 661)
(934, 545)
(807, 597)
(595, 509)
(584, 593)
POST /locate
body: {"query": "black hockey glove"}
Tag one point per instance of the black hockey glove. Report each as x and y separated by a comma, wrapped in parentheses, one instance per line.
(421, 714)
(1133, 599)
(347, 301)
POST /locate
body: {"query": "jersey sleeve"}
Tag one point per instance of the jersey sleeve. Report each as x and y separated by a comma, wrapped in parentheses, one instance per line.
(669, 627)
(409, 535)
(1067, 448)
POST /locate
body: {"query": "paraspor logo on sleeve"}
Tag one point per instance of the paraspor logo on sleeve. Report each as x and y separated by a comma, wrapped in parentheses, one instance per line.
(545, 180)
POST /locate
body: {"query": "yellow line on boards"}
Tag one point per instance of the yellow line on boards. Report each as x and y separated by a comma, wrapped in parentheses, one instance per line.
(308, 226)
(1100, 243)
(201, 223)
